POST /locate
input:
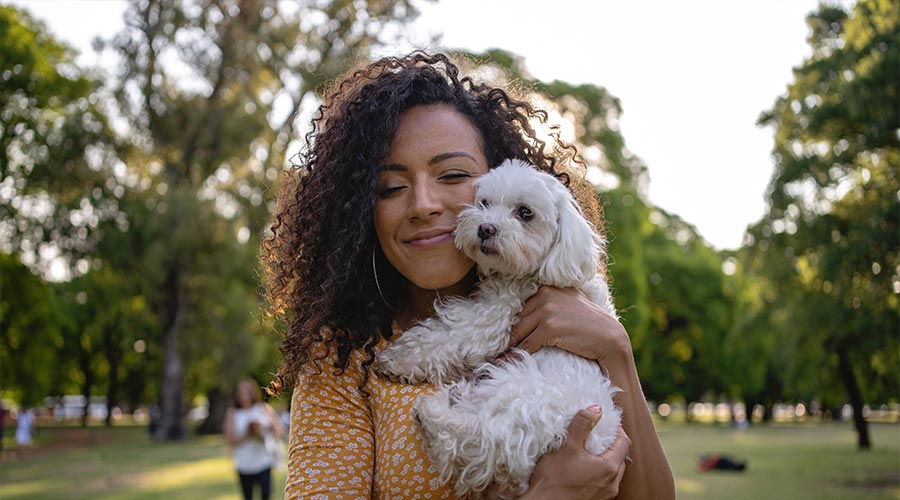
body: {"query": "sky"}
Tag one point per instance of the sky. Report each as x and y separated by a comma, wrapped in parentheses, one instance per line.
(692, 78)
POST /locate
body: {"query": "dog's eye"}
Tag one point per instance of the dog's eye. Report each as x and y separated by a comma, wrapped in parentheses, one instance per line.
(525, 213)
(483, 203)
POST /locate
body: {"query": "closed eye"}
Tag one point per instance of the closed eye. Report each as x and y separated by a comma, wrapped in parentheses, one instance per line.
(452, 176)
(386, 192)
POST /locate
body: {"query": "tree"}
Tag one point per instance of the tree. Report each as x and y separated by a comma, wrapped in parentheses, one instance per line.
(56, 149)
(206, 102)
(690, 313)
(754, 353)
(198, 87)
(107, 317)
(28, 335)
(829, 239)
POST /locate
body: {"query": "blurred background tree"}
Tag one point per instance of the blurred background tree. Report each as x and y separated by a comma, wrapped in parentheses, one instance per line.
(197, 91)
(56, 190)
(829, 243)
(29, 337)
(132, 206)
(55, 141)
(177, 196)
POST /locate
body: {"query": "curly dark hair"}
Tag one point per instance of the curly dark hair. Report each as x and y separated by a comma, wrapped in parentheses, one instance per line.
(319, 256)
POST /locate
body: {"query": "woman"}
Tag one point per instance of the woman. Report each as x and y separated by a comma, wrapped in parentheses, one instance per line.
(361, 248)
(253, 431)
(25, 424)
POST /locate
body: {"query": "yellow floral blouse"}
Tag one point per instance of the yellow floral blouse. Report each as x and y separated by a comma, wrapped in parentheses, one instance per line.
(344, 445)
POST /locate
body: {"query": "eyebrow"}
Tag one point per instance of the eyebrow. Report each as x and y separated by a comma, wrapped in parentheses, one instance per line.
(445, 156)
(437, 159)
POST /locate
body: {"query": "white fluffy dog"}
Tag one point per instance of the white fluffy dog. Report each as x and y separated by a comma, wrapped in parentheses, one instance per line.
(486, 429)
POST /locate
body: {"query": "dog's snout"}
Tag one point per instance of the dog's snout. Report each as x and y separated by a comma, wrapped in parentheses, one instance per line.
(485, 231)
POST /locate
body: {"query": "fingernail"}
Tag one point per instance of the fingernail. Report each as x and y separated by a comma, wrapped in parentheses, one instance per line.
(595, 408)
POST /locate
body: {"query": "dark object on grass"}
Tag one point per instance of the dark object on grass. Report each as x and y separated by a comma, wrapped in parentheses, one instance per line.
(720, 462)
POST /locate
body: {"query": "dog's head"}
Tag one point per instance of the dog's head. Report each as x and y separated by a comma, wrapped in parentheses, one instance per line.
(525, 222)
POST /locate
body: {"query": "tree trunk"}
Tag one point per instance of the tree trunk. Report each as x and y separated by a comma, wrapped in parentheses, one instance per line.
(112, 358)
(848, 378)
(171, 423)
(219, 400)
(85, 362)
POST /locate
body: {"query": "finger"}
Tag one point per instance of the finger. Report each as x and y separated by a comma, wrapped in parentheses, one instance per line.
(581, 426)
(617, 481)
(532, 302)
(619, 449)
(508, 357)
(544, 296)
(619, 475)
(522, 330)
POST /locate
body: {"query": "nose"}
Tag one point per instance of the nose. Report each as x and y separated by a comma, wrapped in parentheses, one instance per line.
(485, 231)
(425, 202)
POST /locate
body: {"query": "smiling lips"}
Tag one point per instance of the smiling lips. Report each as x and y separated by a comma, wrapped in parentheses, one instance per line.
(430, 238)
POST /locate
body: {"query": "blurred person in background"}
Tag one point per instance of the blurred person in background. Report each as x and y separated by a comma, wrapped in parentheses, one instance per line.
(254, 432)
(24, 427)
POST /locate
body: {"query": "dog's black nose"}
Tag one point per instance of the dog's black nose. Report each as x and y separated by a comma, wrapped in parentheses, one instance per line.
(485, 231)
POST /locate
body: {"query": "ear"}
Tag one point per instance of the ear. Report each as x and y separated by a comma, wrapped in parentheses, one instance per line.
(572, 260)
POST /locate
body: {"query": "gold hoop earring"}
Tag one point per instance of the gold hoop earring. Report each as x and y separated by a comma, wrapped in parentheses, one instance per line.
(377, 284)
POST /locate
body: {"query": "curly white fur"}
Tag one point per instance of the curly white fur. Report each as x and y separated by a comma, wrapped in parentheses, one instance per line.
(488, 424)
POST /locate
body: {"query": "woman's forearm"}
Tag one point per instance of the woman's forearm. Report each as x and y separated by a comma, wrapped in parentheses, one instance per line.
(647, 475)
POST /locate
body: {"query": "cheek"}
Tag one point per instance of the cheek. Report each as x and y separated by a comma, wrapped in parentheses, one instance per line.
(464, 195)
(383, 217)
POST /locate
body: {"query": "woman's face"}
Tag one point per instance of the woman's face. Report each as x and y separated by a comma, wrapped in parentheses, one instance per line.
(426, 180)
(244, 395)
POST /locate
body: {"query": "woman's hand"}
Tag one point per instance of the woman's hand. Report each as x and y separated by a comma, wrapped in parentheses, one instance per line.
(567, 319)
(572, 472)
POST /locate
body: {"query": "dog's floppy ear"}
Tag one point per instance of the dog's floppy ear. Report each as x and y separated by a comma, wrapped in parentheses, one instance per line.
(572, 260)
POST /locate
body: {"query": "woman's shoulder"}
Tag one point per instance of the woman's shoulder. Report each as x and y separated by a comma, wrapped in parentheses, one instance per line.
(326, 352)
(324, 364)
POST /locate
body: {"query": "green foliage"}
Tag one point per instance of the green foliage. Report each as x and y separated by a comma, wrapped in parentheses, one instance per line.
(828, 245)
(55, 143)
(28, 336)
(159, 226)
(690, 312)
(106, 316)
(752, 352)
(206, 155)
(627, 228)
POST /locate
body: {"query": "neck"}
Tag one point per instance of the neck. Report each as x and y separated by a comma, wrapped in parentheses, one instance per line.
(420, 301)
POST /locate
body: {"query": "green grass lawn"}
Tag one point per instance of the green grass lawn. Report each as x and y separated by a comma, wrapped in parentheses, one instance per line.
(797, 462)
(794, 461)
(122, 463)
